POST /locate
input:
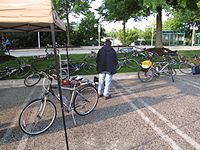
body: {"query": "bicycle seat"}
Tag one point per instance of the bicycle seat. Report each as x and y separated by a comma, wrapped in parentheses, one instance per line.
(76, 78)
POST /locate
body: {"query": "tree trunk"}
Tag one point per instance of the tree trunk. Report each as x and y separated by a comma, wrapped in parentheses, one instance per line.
(159, 27)
(124, 33)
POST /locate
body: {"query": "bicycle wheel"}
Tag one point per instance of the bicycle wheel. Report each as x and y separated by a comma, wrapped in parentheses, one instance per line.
(145, 75)
(23, 72)
(85, 100)
(170, 72)
(32, 79)
(132, 63)
(37, 116)
(64, 74)
(2, 74)
(89, 67)
(185, 68)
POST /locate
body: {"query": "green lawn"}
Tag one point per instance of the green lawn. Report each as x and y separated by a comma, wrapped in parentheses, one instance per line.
(45, 64)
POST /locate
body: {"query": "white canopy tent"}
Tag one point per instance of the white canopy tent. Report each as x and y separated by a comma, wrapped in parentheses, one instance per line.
(28, 16)
(32, 16)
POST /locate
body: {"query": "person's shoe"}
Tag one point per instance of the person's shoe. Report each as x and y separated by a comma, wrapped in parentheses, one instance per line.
(100, 95)
(107, 97)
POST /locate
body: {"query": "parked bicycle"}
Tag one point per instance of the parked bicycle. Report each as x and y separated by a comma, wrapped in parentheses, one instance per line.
(20, 71)
(187, 63)
(35, 77)
(78, 66)
(150, 70)
(39, 115)
(127, 62)
(48, 54)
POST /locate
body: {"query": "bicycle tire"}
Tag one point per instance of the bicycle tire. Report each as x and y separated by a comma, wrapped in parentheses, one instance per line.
(32, 79)
(2, 74)
(170, 71)
(73, 68)
(132, 63)
(64, 74)
(23, 72)
(89, 67)
(145, 75)
(32, 122)
(185, 68)
(86, 100)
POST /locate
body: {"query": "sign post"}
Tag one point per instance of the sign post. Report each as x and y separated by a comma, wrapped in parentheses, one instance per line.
(193, 28)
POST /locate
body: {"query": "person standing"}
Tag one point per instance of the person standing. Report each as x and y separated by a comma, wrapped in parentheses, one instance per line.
(106, 67)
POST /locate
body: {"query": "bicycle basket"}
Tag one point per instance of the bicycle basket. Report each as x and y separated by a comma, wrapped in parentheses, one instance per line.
(146, 64)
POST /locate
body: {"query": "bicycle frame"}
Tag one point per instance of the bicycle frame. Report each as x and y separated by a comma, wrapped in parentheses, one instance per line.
(49, 89)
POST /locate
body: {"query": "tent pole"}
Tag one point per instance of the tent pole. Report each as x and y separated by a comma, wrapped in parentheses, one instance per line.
(67, 52)
(58, 79)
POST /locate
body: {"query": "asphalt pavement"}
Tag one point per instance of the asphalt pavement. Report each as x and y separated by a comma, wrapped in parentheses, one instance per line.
(160, 114)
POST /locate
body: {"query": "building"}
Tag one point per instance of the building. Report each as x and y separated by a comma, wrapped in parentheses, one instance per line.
(172, 38)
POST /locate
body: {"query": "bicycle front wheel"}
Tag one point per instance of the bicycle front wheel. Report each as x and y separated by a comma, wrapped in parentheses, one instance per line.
(37, 116)
(85, 100)
(185, 68)
(131, 63)
(89, 68)
(32, 79)
(145, 75)
(23, 72)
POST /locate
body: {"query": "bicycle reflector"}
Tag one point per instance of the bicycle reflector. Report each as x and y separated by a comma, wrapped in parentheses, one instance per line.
(146, 64)
(65, 82)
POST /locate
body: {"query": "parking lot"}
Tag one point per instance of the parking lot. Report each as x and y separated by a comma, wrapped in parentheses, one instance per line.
(160, 114)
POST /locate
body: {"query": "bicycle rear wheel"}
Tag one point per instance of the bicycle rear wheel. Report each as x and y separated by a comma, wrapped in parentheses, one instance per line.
(85, 100)
(185, 68)
(145, 75)
(32, 79)
(37, 116)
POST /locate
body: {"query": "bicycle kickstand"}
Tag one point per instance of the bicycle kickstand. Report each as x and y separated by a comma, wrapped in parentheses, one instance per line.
(73, 117)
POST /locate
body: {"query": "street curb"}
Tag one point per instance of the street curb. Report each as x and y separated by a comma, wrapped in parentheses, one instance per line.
(20, 82)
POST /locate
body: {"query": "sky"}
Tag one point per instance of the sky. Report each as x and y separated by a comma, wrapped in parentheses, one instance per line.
(130, 24)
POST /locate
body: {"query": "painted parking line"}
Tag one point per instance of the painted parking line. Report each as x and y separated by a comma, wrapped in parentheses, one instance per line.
(186, 137)
(164, 136)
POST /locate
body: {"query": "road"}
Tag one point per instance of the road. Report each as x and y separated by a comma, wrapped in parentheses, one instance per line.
(157, 115)
(86, 49)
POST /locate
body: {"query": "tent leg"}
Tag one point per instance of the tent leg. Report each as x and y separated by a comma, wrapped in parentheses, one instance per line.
(58, 79)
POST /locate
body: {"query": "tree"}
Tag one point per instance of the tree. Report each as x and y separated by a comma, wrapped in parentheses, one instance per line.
(177, 5)
(66, 7)
(87, 30)
(120, 10)
(131, 36)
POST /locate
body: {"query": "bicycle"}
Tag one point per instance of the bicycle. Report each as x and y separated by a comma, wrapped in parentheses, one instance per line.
(150, 70)
(39, 115)
(127, 62)
(85, 66)
(187, 63)
(20, 71)
(35, 77)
